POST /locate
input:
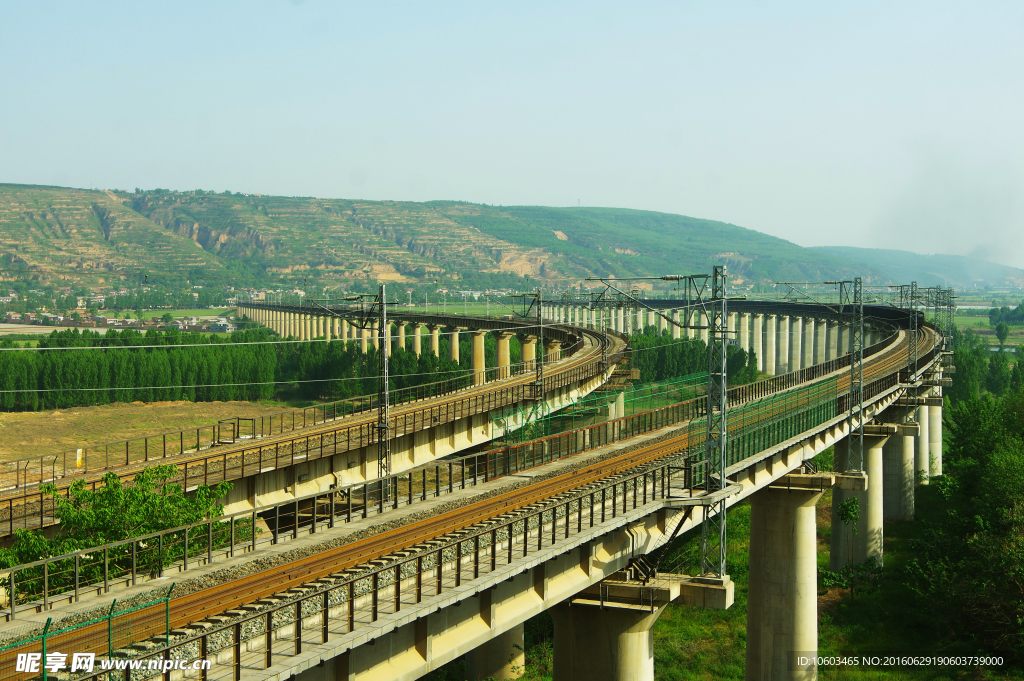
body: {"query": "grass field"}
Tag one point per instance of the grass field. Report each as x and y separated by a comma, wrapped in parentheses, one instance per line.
(25, 434)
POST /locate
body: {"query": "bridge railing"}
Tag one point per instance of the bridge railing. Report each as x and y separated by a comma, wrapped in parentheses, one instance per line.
(30, 508)
(753, 426)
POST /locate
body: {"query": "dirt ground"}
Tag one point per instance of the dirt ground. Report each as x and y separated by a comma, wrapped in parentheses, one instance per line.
(25, 434)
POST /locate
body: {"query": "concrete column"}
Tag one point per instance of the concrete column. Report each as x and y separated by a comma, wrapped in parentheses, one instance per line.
(435, 340)
(782, 600)
(364, 339)
(479, 360)
(552, 350)
(844, 340)
(833, 341)
(502, 658)
(757, 340)
(387, 339)
(675, 329)
(619, 320)
(610, 644)
(935, 438)
(307, 327)
(528, 353)
(848, 546)
(769, 344)
(662, 323)
(782, 363)
(401, 335)
(704, 321)
(907, 468)
(504, 354)
(453, 345)
(808, 343)
(732, 324)
(690, 316)
(796, 348)
(373, 335)
(898, 469)
(343, 334)
(922, 465)
(820, 340)
(417, 345)
(652, 319)
(745, 332)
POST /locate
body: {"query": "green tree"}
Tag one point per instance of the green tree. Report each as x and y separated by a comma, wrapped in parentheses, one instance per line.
(1002, 333)
(167, 318)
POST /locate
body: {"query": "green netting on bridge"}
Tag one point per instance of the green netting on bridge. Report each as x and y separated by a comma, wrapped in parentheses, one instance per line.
(597, 407)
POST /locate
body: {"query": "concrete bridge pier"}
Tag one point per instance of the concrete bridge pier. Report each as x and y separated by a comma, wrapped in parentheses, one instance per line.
(504, 354)
(856, 547)
(832, 352)
(478, 359)
(922, 463)
(453, 344)
(898, 463)
(757, 342)
(744, 336)
(782, 364)
(808, 342)
(528, 352)
(613, 643)
(675, 329)
(501, 659)
(417, 339)
(820, 340)
(935, 430)
(769, 349)
(552, 350)
(435, 340)
(796, 329)
(782, 599)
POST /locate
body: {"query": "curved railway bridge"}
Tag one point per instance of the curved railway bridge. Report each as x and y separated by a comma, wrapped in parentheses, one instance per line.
(577, 523)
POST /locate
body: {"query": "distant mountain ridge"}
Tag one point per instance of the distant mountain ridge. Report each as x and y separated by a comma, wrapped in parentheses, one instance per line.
(930, 270)
(89, 236)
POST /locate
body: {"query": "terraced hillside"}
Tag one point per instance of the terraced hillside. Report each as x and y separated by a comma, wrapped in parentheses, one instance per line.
(56, 231)
(88, 235)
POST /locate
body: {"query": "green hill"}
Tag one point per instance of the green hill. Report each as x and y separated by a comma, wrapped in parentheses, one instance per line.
(93, 236)
(931, 270)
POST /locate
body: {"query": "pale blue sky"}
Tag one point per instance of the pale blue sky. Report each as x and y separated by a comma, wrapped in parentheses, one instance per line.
(894, 124)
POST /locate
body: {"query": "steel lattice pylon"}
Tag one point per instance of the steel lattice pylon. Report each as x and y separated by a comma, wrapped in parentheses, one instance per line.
(855, 440)
(713, 530)
(383, 399)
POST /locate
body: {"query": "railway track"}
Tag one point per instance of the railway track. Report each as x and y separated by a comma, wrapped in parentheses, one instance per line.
(359, 431)
(200, 605)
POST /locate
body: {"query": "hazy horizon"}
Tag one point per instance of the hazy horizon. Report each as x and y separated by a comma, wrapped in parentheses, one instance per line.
(866, 124)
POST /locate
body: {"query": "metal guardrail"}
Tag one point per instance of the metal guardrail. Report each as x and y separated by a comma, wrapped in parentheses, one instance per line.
(31, 508)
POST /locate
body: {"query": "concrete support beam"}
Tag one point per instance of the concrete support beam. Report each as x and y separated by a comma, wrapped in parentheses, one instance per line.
(344, 333)
(364, 339)
(675, 329)
(849, 546)
(401, 335)
(769, 346)
(417, 339)
(898, 471)
(782, 600)
(744, 331)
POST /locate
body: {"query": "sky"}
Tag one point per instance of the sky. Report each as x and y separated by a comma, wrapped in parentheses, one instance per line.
(873, 124)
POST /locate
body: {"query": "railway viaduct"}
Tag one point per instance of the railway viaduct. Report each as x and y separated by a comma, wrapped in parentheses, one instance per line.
(576, 523)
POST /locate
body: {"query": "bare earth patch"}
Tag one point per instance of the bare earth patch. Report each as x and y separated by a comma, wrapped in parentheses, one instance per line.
(24, 434)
